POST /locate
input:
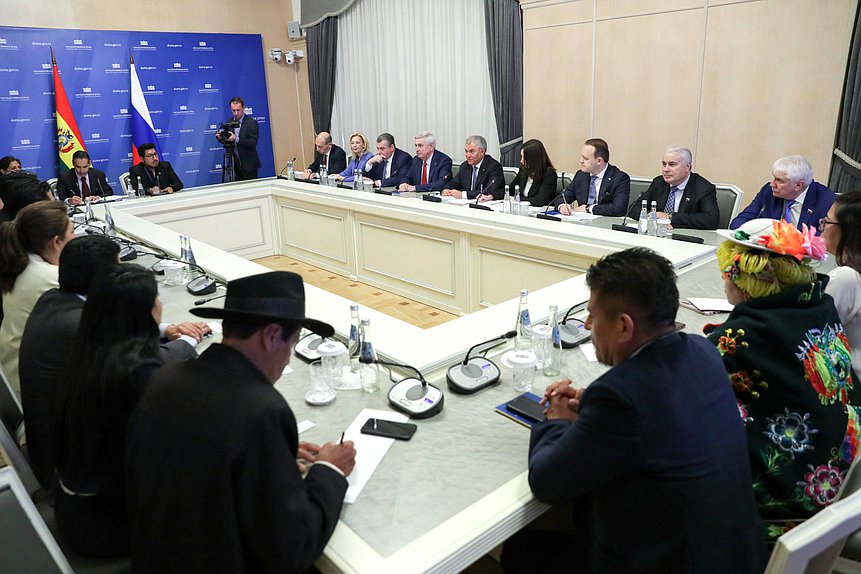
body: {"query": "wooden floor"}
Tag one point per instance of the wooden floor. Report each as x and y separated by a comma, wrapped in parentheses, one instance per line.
(406, 310)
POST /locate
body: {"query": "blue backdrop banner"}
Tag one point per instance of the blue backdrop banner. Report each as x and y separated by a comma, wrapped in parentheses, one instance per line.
(187, 80)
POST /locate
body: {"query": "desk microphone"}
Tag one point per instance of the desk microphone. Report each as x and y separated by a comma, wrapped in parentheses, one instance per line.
(623, 227)
(573, 335)
(281, 173)
(547, 216)
(475, 373)
(414, 396)
(208, 299)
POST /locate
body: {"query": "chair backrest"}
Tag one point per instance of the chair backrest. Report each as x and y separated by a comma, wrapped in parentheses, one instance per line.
(11, 431)
(729, 201)
(563, 180)
(815, 545)
(455, 167)
(124, 181)
(510, 173)
(26, 545)
(53, 183)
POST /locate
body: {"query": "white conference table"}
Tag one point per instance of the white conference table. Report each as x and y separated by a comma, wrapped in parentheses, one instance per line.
(458, 489)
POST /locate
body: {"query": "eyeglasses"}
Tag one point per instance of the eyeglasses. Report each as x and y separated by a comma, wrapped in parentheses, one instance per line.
(150, 155)
(824, 222)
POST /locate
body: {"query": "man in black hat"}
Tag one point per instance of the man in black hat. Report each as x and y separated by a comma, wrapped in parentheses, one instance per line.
(212, 479)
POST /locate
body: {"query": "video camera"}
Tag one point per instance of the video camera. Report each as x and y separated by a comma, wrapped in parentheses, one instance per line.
(227, 126)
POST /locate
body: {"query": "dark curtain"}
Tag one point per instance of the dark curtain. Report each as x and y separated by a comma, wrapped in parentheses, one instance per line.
(846, 170)
(322, 42)
(505, 61)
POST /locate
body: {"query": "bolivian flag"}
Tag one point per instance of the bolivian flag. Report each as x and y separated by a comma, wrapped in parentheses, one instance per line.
(69, 138)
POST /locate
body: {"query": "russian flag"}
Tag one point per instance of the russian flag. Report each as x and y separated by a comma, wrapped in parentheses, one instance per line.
(142, 127)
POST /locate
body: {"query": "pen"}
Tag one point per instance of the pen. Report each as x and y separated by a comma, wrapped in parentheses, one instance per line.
(342, 438)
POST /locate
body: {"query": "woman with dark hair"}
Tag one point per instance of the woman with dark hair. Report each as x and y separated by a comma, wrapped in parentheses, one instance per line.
(116, 353)
(841, 230)
(536, 177)
(8, 164)
(30, 248)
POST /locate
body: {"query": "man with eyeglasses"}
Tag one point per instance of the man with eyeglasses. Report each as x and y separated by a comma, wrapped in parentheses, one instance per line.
(792, 194)
(155, 176)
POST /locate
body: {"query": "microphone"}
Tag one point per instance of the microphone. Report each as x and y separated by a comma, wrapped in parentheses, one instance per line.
(622, 226)
(281, 173)
(476, 373)
(413, 396)
(547, 216)
(208, 299)
(571, 336)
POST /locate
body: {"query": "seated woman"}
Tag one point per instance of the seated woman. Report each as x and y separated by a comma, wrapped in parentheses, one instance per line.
(116, 353)
(358, 158)
(30, 247)
(536, 177)
(841, 230)
(789, 363)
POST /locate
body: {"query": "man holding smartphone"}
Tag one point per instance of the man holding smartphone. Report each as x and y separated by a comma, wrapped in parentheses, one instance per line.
(652, 456)
(212, 477)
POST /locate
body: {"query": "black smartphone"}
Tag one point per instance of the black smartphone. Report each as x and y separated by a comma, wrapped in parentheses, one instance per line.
(527, 408)
(389, 429)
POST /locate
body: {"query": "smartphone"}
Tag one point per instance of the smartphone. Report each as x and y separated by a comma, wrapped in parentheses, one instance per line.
(389, 429)
(527, 408)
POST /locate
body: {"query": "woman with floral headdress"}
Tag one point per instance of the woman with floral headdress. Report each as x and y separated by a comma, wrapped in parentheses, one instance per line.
(790, 365)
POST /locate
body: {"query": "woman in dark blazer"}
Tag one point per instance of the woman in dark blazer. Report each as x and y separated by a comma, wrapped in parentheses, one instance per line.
(537, 176)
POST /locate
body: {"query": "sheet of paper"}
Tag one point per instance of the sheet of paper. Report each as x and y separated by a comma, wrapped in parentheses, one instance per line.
(287, 370)
(305, 425)
(711, 303)
(456, 201)
(579, 217)
(589, 352)
(370, 450)
(215, 326)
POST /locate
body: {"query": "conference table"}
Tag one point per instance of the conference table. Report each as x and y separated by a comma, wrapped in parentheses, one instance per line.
(458, 488)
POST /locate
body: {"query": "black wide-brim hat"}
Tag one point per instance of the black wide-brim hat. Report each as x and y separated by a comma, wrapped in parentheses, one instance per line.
(276, 296)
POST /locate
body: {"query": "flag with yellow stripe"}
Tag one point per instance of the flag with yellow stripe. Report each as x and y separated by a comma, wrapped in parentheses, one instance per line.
(69, 138)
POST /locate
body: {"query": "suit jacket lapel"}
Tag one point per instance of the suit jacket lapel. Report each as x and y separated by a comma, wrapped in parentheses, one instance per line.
(605, 183)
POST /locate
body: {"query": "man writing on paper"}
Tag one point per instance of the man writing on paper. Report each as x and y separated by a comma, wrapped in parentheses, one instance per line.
(652, 456)
(480, 176)
(598, 188)
(212, 478)
(82, 182)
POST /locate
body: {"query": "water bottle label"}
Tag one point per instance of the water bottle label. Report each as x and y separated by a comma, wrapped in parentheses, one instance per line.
(524, 318)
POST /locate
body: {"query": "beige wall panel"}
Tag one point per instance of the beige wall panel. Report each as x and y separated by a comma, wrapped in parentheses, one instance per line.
(432, 278)
(289, 96)
(627, 8)
(556, 14)
(501, 269)
(237, 231)
(772, 87)
(647, 83)
(317, 235)
(557, 88)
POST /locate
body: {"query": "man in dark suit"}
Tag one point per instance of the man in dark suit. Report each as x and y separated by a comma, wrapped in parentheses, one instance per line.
(244, 138)
(326, 154)
(684, 197)
(50, 334)
(222, 442)
(791, 195)
(598, 188)
(430, 170)
(652, 455)
(480, 176)
(390, 165)
(84, 181)
(155, 176)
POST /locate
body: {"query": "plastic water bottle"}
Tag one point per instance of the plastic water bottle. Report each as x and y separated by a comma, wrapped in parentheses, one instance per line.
(109, 221)
(523, 338)
(553, 360)
(506, 201)
(324, 175)
(368, 358)
(643, 223)
(290, 173)
(652, 228)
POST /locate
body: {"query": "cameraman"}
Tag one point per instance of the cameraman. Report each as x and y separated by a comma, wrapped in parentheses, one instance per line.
(243, 139)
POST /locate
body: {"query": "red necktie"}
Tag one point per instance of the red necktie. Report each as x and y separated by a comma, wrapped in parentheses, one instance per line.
(85, 188)
(424, 173)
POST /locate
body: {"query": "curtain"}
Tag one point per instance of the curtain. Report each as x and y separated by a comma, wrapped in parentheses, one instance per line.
(406, 66)
(315, 11)
(846, 169)
(505, 62)
(322, 44)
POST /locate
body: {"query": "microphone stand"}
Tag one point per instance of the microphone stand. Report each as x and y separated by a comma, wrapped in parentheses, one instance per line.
(622, 226)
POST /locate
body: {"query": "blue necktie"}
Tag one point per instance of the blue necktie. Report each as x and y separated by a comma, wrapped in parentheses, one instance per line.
(474, 177)
(671, 200)
(591, 199)
(787, 210)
